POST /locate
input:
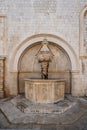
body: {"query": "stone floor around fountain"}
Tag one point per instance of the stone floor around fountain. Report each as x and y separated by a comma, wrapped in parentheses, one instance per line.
(20, 110)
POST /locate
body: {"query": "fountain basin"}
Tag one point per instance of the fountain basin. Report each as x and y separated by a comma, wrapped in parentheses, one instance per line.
(44, 91)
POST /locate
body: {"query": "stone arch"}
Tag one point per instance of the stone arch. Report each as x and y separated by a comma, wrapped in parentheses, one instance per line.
(82, 15)
(18, 51)
(37, 38)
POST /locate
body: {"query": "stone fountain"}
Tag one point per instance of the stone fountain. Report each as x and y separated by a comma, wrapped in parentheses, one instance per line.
(44, 90)
(44, 56)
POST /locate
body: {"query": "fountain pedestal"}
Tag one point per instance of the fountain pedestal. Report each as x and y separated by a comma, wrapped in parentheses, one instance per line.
(44, 91)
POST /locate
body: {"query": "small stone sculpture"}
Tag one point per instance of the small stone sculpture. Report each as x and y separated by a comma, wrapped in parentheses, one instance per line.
(44, 57)
(44, 69)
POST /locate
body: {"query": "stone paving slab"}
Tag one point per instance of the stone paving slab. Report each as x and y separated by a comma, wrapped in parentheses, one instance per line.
(15, 116)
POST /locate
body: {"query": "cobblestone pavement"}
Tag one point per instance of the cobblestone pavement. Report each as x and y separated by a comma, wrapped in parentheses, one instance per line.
(80, 124)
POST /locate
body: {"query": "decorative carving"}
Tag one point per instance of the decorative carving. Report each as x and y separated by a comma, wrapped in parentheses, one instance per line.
(44, 57)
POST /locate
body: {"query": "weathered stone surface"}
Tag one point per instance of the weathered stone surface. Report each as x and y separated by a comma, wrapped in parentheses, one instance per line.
(44, 91)
(74, 111)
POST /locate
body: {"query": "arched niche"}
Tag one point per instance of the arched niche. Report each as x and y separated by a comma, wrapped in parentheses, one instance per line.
(59, 68)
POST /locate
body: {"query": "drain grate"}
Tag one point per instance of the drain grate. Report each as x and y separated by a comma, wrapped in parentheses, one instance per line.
(21, 106)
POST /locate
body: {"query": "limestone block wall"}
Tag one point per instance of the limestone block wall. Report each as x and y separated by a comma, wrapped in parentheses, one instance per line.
(22, 19)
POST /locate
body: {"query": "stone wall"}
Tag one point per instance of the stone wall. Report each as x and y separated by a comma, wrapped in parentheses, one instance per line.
(20, 19)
